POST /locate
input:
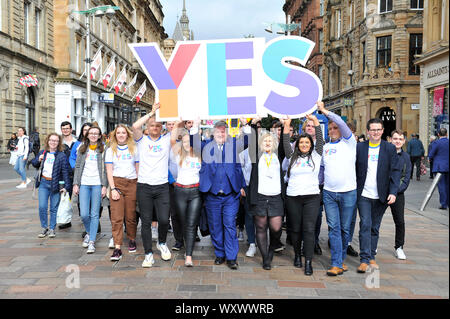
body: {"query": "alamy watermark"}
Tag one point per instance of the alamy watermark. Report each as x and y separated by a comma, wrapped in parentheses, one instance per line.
(73, 279)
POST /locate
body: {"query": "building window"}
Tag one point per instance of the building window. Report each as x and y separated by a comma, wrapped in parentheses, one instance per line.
(26, 8)
(321, 7)
(415, 47)
(37, 21)
(363, 57)
(321, 41)
(77, 58)
(112, 117)
(365, 8)
(338, 24)
(384, 51)
(1, 13)
(320, 73)
(29, 110)
(417, 4)
(385, 6)
(79, 114)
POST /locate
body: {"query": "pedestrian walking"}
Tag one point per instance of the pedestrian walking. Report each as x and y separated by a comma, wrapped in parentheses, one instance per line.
(303, 199)
(416, 153)
(398, 208)
(54, 179)
(430, 146)
(377, 180)
(122, 166)
(23, 149)
(90, 183)
(153, 184)
(339, 193)
(439, 155)
(35, 142)
(187, 196)
(265, 194)
(12, 148)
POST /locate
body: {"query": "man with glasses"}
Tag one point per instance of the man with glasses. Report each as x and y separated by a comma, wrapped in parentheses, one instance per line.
(377, 177)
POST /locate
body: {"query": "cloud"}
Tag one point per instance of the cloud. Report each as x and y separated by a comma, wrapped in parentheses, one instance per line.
(224, 19)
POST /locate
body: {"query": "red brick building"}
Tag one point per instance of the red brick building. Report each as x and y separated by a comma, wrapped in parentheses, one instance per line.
(309, 14)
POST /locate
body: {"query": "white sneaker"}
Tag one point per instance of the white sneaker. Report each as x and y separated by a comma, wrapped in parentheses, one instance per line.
(165, 252)
(241, 236)
(51, 233)
(251, 251)
(154, 233)
(111, 243)
(91, 248)
(400, 253)
(148, 261)
(21, 186)
(86, 241)
(28, 182)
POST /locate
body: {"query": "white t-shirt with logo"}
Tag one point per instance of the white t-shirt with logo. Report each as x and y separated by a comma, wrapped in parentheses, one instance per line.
(189, 172)
(370, 186)
(304, 176)
(339, 161)
(90, 174)
(124, 163)
(269, 175)
(47, 170)
(153, 160)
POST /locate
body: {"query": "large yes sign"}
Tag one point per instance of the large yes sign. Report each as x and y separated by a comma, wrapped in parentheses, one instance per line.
(232, 78)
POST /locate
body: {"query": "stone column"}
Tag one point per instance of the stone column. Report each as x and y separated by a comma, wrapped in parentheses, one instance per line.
(399, 113)
(368, 110)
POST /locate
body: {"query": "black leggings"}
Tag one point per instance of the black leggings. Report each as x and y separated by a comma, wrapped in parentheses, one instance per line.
(261, 224)
(302, 216)
(147, 195)
(188, 204)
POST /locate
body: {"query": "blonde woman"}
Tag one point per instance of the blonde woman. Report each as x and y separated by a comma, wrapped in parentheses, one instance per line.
(265, 189)
(188, 202)
(122, 165)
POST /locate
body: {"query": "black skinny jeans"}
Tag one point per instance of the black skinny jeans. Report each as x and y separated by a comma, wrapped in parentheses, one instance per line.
(147, 196)
(398, 213)
(302, 216)
(188, 205)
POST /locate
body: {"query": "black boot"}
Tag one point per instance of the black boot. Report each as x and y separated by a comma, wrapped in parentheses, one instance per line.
(266, 263)
(308, 267)
(298, 261)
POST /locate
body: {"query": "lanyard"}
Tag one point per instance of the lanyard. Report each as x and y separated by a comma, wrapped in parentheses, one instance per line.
(268, 162)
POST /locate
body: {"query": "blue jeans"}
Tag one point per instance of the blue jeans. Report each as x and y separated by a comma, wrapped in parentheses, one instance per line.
(90, 201)
(222, 211)
(352, 226)
(44, 195)
(20, 168)
(371, 213)
(339, 210)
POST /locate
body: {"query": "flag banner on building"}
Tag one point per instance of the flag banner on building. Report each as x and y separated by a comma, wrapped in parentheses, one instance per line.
(109, 73)
(141, 91)
(28, 80)
(96, 62)
(438, 101)
(127, 87)
(120, 80)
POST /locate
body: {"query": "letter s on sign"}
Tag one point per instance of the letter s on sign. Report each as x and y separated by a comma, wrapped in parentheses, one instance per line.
(298, 49)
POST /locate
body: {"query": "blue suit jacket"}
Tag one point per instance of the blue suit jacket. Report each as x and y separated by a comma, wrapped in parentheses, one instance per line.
(439, 155)
(388, 170)
(212, 157)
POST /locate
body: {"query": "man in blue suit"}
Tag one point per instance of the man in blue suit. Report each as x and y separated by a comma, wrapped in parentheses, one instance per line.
(221, 179)
(439, 156)
(377, 179)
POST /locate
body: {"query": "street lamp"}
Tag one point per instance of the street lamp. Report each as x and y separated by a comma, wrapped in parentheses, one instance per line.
(283, 27)
(99, 11)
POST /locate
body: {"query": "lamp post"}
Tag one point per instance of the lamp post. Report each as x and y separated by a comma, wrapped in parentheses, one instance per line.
(284, 27)
(99, 11)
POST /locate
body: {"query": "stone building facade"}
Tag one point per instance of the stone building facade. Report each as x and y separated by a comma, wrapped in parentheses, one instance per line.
(434, 64)
(137, 21)
(369, 52)
(309, 14)
(27, 48)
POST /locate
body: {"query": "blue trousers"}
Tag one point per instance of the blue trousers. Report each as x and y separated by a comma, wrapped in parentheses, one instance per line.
(20, 168)
(90, 201)
(443, 190)
(222, 211)
(45, 193)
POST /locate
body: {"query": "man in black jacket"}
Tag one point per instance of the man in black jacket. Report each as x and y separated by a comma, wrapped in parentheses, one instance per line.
(377, 179)
(398, 208)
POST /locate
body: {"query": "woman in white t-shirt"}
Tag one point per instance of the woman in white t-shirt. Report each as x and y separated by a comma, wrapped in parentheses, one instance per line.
(122, 165)
(188, 202)
(303, 193)
(90, 183)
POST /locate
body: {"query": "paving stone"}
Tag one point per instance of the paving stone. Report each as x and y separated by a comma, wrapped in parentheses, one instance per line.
(201, 288)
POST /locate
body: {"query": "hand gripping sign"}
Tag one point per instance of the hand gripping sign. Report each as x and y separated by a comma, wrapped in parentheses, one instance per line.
(232, 78)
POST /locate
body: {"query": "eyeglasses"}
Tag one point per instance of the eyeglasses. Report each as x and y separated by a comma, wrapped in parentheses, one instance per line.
(54, 141)
(376, 130)
(94, 134)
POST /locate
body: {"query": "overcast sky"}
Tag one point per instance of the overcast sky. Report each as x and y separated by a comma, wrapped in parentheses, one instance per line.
(224, 19)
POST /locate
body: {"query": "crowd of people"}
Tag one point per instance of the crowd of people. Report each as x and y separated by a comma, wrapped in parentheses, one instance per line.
(184, 179)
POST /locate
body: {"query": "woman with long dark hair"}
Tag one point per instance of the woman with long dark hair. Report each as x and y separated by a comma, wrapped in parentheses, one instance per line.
(90, 183)
(303, 193)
